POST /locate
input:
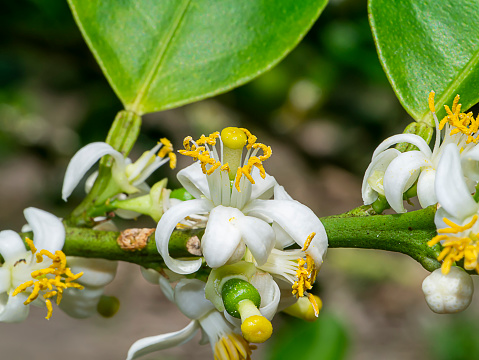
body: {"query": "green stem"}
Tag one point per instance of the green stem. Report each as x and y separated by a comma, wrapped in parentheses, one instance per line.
(122, 136)
(405, 233)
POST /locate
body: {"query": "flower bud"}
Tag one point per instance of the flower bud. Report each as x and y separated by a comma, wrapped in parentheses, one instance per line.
(448, 294)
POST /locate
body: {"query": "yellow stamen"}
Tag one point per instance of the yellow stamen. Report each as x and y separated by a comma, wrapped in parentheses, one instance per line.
(456, 247)
(43, 280)
(30, 244)
(233, 346)
(308, 241)
(431, 102)
(306, 275)
(172, 157)
(225, 167)
(251, 138)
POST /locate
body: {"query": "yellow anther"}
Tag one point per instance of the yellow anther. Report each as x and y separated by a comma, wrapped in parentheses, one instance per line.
(306, 308)
(251, 138)
(172, 157)
(43, 280)
(308, 241)
(431, 102)
(306, 275)
(233, 137)
(48, 303)
(30, 244)
(247, 169)
(225, 167)
(256, 329)
(186, 142)
(233, 346)
(314, 304)
(166, 148)
(454, 228)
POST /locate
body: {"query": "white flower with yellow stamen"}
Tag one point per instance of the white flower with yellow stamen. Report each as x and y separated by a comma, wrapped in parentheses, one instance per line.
(33, 276)
(233, 189)
(391, 173)
(129, 177)
(189, 295)
(457, 218)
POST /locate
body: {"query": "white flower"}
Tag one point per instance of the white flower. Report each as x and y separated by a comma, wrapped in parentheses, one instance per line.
(97, 273)
(448, 294)
(456, 219)
(239, 215)
(391, 173)
(189, 296)
(129, 177)
(20, 263)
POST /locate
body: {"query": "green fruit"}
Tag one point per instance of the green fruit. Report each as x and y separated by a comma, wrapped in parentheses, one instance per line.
(181, 194)
(236, 290)
(108, 306)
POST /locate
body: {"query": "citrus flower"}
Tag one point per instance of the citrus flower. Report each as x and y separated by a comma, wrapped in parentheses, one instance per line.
(450, 293)
(129, 177)
(43, 269)
(189, 296)
(391, 173)
(230, 184)
(457, 218)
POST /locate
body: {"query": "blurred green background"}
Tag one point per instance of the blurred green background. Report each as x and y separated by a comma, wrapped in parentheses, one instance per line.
(323, 110)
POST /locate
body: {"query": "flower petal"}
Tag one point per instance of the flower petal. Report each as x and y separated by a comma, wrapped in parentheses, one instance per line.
(451, 189)
(82, 161)
(425, 188)
(154, 343)
(400, 175)
(269, 292)
(194, 181)
(11, 245)
(48, 230)
(470, 163)
(222, 235)
(167, 224)
(297, 220)
(262, 188)
(5, 278)
(258, 236)
(190, 298)
(96, 272)
(12, 309)
(280, 193)
(283, 239)
(409, 138)
(379, 163)
(81, 304)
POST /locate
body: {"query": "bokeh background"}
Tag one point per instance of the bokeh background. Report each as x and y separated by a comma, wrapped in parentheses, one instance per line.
(323, 110)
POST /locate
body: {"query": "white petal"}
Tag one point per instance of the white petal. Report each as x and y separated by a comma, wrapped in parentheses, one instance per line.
(270, 309)
(154, 343)
(441, 213)
(400, 175)
(11, 245)
(258, 236)
(470, 163)
(48, 230)
(283, 239)
(425, 188)
(280, 193)
(262, 188)
(379, 163)
(81, 304)
(96, 272)
(194, 181)
(190, 298)
(82, 161)
(451, 189)
(297, 220)
(409, 138)
(222, 236)
(12, 309)
(165, 228)
(5, 279)
(269, 292)
(165, 286)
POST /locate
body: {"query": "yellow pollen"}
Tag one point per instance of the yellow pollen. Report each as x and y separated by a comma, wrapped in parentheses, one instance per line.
(306, 275)
(308, 241)
(30, 244)
(225, 167)
(172, 157)
(456, 248)
(233, 137)
(314, 304)
(233, 346)
(57, 276)
(251, 138)
(431, 102)
(200, 153)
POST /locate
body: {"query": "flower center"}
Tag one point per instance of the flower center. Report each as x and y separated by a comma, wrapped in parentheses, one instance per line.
(233, 140)
(460, 122)
(457, 247)
(51, 280)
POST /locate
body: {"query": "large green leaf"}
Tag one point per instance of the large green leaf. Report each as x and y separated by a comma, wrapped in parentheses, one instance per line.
(162, 54)
(428, 45)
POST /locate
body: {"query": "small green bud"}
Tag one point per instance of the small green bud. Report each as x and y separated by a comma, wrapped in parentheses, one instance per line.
(108, 306)
(234, 291)
(380, 204)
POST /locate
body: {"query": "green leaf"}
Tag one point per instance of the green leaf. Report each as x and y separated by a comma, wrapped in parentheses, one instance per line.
(163, 54)
(428, 45)
(324, 339)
